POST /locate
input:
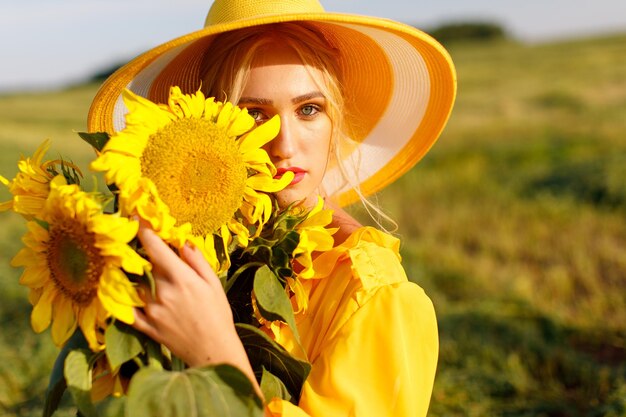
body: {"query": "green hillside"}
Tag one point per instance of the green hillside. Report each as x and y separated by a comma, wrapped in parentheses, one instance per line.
(515, 225)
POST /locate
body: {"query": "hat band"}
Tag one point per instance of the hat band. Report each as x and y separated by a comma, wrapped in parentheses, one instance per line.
(231, 11)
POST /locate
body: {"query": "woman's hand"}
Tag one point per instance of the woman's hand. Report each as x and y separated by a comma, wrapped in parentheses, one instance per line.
(190, 313)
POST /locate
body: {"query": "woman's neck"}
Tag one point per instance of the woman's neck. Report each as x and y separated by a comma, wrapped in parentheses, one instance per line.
(346, 224)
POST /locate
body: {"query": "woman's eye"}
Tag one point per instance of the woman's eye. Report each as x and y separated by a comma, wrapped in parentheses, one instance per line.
(256, 115)
(309, 110)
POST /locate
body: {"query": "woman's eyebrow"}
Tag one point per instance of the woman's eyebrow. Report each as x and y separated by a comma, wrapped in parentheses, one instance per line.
(307, 96)
(265, 102)
(255, 100)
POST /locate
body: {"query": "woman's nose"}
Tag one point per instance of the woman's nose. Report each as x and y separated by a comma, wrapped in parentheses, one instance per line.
(283, 145)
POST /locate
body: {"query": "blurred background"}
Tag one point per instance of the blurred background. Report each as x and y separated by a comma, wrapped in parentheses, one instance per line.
(514, 223)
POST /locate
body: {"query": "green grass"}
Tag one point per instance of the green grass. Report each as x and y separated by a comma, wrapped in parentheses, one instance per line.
(515, 224)
(25, 121)
(516, 228)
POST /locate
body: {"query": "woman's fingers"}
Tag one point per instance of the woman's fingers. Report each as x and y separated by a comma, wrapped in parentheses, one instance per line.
(196, 260)
(163, 258)
(144, 325)
(168, 265)
(156, 248)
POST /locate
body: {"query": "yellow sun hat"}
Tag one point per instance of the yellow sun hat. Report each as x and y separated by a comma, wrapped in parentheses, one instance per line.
(399, 83)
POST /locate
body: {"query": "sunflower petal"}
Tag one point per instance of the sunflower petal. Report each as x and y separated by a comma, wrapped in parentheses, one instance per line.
(122, 228)
(240, 231)
(118, 296)
(143, 111)
(34, 295)
(23, 257)
(302, 298)
(211, 109)
(41, 151)
(7, 205)
(41, 315)
(35, 276)
(64, 322)
(121, 144)
(261, 135)
(223, 118)
(88, 324)
(259, 160)
(261, 182)
(241, 122)
(207, 247)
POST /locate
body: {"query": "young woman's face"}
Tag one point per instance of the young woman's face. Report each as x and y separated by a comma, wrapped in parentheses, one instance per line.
(279, 84)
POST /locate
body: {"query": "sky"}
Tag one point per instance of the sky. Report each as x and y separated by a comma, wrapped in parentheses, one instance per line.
(52, 43)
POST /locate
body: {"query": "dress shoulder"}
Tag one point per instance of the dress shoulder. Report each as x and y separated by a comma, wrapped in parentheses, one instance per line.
(362, 311)
(373, 255)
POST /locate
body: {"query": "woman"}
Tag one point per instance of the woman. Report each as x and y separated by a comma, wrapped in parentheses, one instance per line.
(360, 101)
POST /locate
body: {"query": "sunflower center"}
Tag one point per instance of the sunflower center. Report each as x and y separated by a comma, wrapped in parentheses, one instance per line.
(75, 263)
(199, 173)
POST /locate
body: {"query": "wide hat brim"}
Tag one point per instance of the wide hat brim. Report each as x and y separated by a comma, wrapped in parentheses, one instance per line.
(399, 85)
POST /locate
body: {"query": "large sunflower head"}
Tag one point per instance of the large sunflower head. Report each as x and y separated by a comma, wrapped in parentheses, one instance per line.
(73, 260)
(194, 169)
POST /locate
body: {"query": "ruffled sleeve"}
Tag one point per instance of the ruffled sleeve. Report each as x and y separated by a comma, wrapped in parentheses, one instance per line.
(370, 334)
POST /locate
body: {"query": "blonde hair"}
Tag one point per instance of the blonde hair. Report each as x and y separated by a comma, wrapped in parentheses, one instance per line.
(226, 67)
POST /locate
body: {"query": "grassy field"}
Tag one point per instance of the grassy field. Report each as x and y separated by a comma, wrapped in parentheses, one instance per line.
(515, 224)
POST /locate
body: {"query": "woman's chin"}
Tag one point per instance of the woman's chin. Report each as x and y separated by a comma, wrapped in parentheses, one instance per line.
(289, 196)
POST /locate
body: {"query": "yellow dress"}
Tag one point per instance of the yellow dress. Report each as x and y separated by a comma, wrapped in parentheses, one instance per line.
(370, 335)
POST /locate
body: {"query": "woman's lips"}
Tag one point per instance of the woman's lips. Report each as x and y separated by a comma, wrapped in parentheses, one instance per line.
(298, 174)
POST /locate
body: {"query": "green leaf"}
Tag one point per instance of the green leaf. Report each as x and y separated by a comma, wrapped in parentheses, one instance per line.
(272, 300)
(264, 352)
(260, 241)
(280, 258)
(57, 384)
(286, 219)
(290, 242)
(123, 343)
(290, 222)
(97, 139)
(284, 272)
(78, 377)
(243, 268)
(272, 387)
(220, 390)
(112, 406)
(70, 172)
(259, 250)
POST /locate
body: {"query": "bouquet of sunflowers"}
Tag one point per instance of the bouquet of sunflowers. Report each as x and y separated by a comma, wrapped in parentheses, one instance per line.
(193, 169)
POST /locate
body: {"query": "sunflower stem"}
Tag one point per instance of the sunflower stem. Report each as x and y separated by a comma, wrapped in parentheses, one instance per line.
(148, 273)
(177, 364)
(154, 354)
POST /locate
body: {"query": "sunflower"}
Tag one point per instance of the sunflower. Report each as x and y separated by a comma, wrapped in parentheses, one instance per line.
(73, 260)
(30, 187)
(194, 169)
(315, 236)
